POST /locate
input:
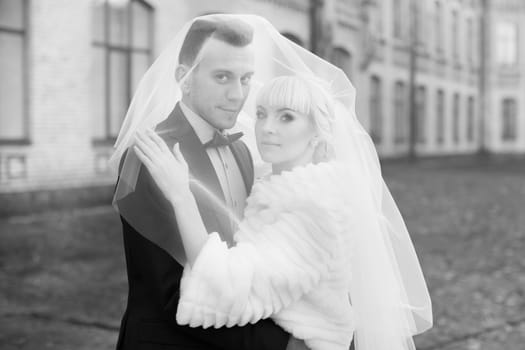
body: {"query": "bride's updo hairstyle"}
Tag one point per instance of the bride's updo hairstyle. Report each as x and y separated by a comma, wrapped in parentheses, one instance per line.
(306, 97)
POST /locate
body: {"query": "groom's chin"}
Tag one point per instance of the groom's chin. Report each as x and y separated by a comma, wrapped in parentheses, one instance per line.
(226, 121)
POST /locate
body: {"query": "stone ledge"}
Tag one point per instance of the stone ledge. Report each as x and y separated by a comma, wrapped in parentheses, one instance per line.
(24, 203)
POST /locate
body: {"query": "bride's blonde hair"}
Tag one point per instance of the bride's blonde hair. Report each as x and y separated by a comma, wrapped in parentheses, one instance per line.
(306, 97)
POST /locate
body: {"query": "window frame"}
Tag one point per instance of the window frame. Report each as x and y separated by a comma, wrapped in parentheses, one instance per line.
(421, 113)
(456, 118)
(25, 139)
(471, 119)
(440, 116)
(509, 122)
(128, 50)
(400, 112)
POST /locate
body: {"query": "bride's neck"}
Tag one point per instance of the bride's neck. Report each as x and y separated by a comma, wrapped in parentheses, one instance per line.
(278, 168)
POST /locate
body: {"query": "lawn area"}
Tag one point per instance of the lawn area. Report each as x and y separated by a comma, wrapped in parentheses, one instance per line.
(63, 282)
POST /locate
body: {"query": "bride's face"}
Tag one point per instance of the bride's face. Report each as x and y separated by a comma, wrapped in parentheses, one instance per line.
(284, 136)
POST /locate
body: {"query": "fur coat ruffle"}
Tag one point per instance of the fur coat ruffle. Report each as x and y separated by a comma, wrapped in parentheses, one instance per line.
(290, 262)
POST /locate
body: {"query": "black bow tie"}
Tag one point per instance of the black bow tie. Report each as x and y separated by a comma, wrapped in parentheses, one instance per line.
(222, 140)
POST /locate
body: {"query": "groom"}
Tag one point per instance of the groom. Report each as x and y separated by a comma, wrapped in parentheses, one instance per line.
(213, 94)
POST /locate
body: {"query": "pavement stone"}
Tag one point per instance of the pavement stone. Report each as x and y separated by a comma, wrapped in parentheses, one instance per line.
(63, 283)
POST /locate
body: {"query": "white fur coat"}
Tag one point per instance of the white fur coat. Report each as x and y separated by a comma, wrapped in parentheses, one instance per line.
(290, 262)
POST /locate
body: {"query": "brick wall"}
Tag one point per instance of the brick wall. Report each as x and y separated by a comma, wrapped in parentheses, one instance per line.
(61, 154)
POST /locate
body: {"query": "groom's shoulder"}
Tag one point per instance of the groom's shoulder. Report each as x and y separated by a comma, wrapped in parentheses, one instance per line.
(174, 126)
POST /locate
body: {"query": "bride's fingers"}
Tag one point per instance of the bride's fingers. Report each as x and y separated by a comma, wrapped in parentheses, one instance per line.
(143, 158)
(148, 140)
(178, 153)
(149, 150)
(157, 140)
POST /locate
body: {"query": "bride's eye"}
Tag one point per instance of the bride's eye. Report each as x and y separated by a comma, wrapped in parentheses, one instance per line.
(260, 115)
(287, 117)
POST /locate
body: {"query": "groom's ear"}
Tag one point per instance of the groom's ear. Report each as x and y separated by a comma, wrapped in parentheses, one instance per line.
(180, 72)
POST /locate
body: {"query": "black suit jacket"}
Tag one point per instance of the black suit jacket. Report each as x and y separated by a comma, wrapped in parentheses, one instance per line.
(154, 276)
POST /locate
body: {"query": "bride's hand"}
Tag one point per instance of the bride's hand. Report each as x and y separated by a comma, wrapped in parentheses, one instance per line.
(168, 169)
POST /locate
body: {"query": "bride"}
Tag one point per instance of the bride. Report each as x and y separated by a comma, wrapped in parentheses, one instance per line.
(322, 248)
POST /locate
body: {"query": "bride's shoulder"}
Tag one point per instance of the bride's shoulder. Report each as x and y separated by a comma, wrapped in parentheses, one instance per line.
(310, 182)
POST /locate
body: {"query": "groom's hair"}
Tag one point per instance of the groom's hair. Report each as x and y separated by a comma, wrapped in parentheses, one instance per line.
(232, 31)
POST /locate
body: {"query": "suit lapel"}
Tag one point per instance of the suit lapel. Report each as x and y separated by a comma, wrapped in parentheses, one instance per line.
(243, 159)
(176, 128)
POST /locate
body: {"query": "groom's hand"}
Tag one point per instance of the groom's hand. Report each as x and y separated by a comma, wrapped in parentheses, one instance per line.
(296, 344)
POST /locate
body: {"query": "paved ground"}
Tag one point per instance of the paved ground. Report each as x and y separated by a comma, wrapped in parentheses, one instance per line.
(63, 283)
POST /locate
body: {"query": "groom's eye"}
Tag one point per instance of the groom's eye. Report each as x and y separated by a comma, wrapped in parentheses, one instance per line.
(221, 78)
(246, 80)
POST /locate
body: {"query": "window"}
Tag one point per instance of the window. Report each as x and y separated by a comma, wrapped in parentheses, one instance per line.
(342, 59)
(470, 41)
(440, 117)
(470, 119)
(421, 113)
(400, 112)
(122, 45)
(422, 24)
(376, 118)
(378, 18)
(398, 18)
(455, 118)
(507, 43)
(455, 33)
(438, 26)
(509, 122)
(13, 70)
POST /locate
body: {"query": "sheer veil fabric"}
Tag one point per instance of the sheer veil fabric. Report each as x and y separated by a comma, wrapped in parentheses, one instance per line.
(387, 290)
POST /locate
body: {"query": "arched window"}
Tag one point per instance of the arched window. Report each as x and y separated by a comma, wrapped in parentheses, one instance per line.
(293, 38)
(122, 49)
(342, 59)
(13, 72)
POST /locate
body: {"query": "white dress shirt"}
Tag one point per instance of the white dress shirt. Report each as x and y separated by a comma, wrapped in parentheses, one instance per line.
(223, 161)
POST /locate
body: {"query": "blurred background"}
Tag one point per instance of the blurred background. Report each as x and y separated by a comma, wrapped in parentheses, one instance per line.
(433, 77)
(440, 87)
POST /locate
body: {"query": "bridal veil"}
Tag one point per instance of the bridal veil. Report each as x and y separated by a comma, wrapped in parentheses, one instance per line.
(387, 289)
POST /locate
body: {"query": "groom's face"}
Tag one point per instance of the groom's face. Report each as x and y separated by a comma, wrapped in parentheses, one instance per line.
(220, 83)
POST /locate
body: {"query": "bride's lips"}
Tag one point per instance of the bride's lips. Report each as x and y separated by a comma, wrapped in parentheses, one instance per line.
(270, 144)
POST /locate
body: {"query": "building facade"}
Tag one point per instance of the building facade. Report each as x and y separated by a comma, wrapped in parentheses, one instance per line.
(504, 104)
(444, 44)
(69, 68)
